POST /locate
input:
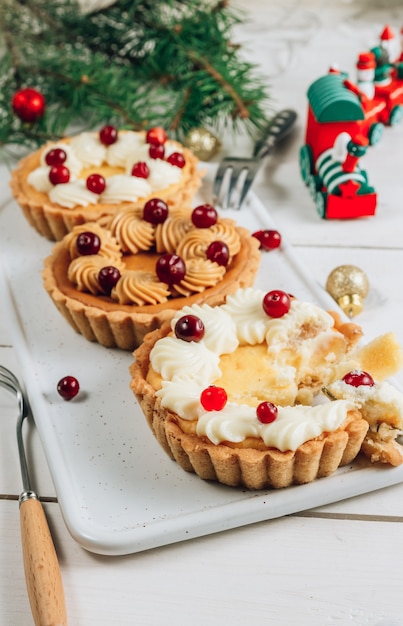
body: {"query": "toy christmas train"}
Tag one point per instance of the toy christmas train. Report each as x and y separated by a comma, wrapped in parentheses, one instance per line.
(344, 118)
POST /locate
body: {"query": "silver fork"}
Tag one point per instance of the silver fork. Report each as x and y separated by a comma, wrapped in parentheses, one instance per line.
(42, 573)
(235, 175)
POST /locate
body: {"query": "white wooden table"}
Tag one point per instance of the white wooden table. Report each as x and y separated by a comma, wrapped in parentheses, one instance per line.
(335, 565)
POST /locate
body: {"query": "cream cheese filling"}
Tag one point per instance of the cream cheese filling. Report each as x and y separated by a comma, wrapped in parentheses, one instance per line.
(187, 368)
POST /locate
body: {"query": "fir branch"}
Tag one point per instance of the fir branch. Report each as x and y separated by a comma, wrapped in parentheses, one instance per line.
(39, 14)
(136, 63)
(241, 108)
(177, 119)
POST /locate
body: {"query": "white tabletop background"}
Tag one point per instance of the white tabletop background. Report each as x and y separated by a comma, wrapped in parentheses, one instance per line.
(337, 565)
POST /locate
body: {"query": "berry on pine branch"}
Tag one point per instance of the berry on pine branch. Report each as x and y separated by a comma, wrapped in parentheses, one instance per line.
(135, 65)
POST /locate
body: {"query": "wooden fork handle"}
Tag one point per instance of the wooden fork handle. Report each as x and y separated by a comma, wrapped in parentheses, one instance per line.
(42, 573)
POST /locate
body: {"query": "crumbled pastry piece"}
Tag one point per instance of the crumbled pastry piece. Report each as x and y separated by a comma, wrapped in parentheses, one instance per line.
(352, 332)
(383, 356)
(381, 446)
(381, 404)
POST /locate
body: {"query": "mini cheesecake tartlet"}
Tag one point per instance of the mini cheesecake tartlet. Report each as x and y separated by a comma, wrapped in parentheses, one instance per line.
(117, 280)
(234, 392)
(82, 178)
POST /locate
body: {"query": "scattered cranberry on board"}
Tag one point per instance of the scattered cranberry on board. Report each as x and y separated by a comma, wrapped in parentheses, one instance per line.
(68, 387)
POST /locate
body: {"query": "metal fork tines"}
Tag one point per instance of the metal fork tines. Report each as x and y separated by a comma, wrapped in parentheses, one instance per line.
(10, 382)
(233, 180)
(235, 175)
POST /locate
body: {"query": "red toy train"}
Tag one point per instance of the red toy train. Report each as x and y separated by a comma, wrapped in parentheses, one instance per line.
(344, 118)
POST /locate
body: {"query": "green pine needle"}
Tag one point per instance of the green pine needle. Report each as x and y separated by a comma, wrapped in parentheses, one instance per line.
(135, 64)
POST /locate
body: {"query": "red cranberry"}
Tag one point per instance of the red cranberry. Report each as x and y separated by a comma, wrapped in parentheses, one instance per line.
(171, 269)
(68, 387)
(108, 276)
(266, 412)
(96, 183)
(218, 251)
(269, 239)
(108, 135)
(88, 243)
(156, 135)
(213, 398)
(56, 156)
(276, 303)
(156, 151)
(189, 328)
(59, 174)
(155, 211)
(204, 216)
(177, 159)
(141, 170)
(357, 378)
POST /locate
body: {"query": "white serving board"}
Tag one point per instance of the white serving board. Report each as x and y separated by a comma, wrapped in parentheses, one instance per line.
(118, 491)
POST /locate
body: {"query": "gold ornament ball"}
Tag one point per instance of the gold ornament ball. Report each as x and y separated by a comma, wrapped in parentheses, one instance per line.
(349, 286)
(202, 143)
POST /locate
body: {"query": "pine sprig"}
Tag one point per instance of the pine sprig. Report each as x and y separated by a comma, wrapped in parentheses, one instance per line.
(135, 64)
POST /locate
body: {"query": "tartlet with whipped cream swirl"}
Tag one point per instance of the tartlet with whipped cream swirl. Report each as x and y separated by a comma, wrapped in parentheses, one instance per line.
(234, 393)
(81, 178)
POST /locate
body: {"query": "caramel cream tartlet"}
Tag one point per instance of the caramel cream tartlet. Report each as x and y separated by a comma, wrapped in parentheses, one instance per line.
(142, 265)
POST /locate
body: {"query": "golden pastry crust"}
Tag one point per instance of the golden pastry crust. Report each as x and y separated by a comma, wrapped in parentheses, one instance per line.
(250, 464)
(381, 447)
(124, 326)
(54, 221)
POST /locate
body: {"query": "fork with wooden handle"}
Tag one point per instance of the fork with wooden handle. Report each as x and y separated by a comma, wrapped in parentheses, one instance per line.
(42, 572)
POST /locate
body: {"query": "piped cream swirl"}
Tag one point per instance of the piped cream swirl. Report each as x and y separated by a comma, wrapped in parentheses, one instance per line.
(84, 270)
(171, 232)
(88, 149)
(121, 151)
(197, 240)
(121, 188)
(293, 426)
(246, 309)
(109, 246)
(174, 358)
(200, 274)
(219, 328)
(72, 194)
(132, 232)
(137, 287)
